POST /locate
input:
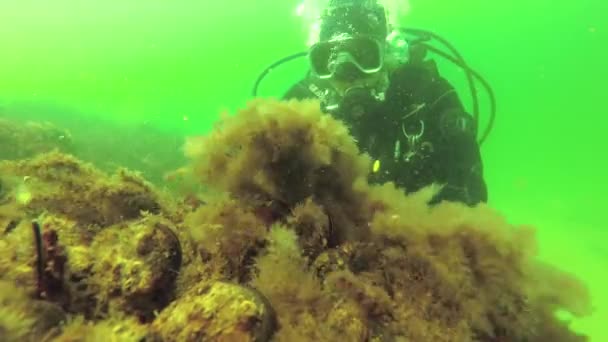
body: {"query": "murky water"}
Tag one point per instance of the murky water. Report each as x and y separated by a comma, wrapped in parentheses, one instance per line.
(129, 79)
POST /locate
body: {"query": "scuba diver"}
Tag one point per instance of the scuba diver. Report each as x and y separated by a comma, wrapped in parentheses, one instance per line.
(407, 117)
(402, 113)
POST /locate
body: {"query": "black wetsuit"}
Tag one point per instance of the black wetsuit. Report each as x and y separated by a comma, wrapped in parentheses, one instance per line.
(418, 102)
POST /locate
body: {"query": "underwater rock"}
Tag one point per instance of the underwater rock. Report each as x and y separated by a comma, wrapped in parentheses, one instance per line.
(348, 320)
(228, 235)
(10, 209)
(26, 319)
(354, 256)
(291, 244)
(17, 258)
(61, 184)
(129, 267)
(73, 201)
(20, 140)
(217, 311)
(136, 265)
(117, 328)
(49, 316)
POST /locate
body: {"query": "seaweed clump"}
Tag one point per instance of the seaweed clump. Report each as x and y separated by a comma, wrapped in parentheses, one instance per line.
(340, 257)
(289, 243)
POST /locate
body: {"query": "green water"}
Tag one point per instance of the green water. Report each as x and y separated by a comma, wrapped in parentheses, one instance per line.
(172, 66)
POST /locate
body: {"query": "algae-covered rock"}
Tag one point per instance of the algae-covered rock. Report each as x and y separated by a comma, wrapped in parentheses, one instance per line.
(217, 312)
(348, 320)
(118, 328)
(88, 242)
(20, 140)
(63, 185)
(228, 235)
(26, 319)
(129, 267)
(136, 265)
(290, 243)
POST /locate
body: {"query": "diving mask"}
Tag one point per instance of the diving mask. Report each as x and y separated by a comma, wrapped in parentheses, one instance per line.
(346, 58)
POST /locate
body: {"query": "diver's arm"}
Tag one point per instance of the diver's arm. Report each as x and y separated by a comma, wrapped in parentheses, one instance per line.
(461, 158)
(459, 152)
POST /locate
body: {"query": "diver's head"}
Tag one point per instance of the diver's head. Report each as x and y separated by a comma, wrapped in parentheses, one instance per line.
(351, 42)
